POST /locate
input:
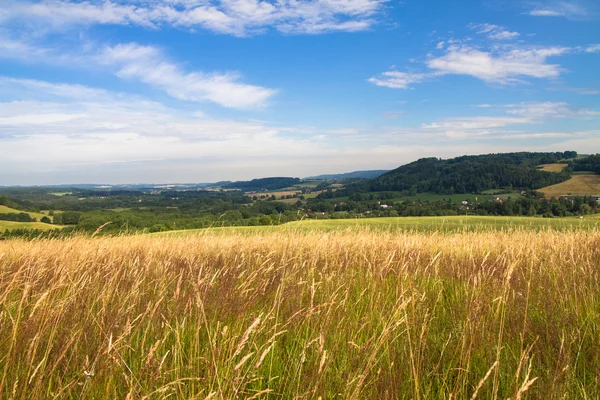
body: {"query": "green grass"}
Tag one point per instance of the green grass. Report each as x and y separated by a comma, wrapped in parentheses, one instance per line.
(447, 223)
(38, 216)
(4, 225)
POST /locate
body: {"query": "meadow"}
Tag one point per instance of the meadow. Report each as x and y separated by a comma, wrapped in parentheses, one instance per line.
(581, 184)
(36, 215)
(4, 225)
(11, 225)
(458, 223)
(351, 313)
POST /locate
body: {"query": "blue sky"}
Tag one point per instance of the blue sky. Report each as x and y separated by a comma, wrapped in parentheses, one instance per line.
(126, 91)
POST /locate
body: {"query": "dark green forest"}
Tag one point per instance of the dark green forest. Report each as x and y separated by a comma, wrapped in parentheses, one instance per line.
(472, 174)
(590, 163)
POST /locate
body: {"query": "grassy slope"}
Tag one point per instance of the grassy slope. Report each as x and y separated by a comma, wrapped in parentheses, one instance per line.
(4, 225)
(292, 315)
(38, 216)
(580, 184)
(448, 223)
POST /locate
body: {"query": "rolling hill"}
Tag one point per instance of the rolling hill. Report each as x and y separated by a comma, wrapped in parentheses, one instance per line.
(272, 183)
(471, 174)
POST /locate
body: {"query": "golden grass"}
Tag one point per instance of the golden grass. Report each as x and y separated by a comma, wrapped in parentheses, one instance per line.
(346, 314)
(557, 167)
(588, 184)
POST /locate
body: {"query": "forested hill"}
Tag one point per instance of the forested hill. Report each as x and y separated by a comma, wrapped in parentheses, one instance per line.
(471, 174)
(263, 184)
(590, 163)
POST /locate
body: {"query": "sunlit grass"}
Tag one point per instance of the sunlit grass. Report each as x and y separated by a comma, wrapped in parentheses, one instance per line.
(356, 313)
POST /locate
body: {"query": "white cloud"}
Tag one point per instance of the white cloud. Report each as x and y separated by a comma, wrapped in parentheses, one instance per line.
(594, 48)
(235, 17)
(521, 114)
(75, 133)
(542, 110)
(560, 8)
(72, 125)
(71, 91)
(498, 63)
(397, 79)
(584, 91)
(148, 64)
(545, 13)
(151, 66)
(475, 123)
(495, 32)
(500, 66)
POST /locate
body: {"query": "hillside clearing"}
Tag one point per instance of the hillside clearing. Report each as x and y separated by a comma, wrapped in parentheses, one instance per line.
(581, 184)
(557, 167)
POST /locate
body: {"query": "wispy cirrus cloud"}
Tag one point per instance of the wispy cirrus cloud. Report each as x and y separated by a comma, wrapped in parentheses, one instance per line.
(495, 32)
(147, 64)
(233, 17)
(536, 111)
(150, 65)
(499, 65)
(398, 79)
(502, 65)
(514, 116)
(493, 61)
(560, 8)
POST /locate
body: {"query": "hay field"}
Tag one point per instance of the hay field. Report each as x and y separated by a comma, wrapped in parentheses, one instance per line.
(557, 167)
(582, 184)
(353, 314)
(456, 223)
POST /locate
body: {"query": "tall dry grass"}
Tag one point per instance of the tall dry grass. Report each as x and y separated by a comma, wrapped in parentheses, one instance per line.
(353, 314)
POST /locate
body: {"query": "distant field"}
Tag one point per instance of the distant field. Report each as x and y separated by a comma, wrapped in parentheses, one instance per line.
(276, 194)
(448, 223)
(61, 193)
(38, 216)
(454, 198)
(585, 184)
(4, 225)
(558, 167)
(457, 198)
